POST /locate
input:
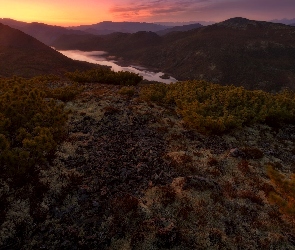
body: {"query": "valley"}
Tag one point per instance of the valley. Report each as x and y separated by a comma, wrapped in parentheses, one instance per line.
(238, 51)
(100, 57)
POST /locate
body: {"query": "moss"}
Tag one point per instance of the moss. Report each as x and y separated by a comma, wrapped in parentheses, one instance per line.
(284, 192)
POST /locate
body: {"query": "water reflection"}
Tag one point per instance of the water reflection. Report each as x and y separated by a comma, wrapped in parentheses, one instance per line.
(99, 57)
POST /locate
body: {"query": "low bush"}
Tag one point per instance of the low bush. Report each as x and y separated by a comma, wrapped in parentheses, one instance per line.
(105, 75)
(212, 108)
(127, 91)
(30, 127)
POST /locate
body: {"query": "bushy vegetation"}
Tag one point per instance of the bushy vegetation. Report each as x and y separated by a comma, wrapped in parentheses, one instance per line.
(55, 87)
(284, 196)
(127, 91)
(31, 124)
(212, 108)
(105, 75)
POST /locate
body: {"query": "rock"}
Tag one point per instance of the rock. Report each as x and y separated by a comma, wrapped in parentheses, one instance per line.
(235, 152)
(200, 184)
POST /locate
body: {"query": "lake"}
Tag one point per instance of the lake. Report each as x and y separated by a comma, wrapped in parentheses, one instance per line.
(99, 57)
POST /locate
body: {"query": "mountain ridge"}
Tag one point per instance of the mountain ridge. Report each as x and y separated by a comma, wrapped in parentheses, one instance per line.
(41, 31)
(23, 55)
(108, 27)
(179, 28)
(230, 52)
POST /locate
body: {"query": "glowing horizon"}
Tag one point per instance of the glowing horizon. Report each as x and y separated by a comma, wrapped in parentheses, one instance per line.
(76, 12)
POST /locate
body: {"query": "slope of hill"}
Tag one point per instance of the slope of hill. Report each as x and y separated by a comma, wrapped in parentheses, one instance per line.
(257, 55)
(173, 24)
(23, 55)
(122, 44)
(108, 27)
(42, 32)
(12, 23)
(130, 175)
(179, 28)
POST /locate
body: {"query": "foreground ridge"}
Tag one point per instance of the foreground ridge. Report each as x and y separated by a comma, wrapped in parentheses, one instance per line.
(131, 173)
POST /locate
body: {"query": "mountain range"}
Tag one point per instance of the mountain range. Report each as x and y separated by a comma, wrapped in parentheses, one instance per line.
(284, 21)
(254, 54)
(179, 28)
(108, 27)
(43, 32)
(23, 55)
(49, 33)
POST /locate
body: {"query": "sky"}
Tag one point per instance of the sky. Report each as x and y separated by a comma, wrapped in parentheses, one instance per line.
(75, 12)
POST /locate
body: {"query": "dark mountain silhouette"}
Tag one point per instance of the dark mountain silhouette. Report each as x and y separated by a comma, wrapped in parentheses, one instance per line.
(284, 21)
(122, 44)
(173, 24)
(292, 24)
(12, 23)
(23, 55)
(254, 54)
(179, 28)
(108, 27)
(43, 32)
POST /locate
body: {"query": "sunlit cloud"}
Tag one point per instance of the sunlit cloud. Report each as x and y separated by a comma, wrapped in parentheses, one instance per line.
(157, 8)
(202, 9)
(73, 12)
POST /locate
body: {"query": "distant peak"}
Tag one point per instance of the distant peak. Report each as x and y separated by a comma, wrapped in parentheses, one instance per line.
(238, 22)
(243, 23)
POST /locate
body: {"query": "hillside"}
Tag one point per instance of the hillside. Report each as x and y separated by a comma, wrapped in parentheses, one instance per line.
(23, 55)
(128, 171)
(257, 55)
(124, 45)
(43, 32)
(108, 27)
(179, 28)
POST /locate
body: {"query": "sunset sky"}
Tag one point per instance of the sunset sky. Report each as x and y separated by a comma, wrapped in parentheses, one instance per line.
(74, 12)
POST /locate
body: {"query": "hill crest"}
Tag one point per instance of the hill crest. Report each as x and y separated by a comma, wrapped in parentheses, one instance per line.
(23, 55)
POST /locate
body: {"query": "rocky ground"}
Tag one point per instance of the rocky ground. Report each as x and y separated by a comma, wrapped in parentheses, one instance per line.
(130, 175)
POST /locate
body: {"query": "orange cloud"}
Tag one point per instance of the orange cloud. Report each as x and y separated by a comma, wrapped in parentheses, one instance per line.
(157, 9)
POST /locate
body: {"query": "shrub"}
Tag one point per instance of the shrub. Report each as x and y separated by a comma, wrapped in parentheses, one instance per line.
(155, 93)
(127, 91)
(212, 108)
(105, 75)
(30, 127)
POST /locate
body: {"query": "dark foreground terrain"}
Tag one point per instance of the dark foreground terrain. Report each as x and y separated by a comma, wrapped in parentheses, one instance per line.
(130, 175)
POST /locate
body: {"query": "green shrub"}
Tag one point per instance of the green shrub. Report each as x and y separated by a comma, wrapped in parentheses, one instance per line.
(55, 87)
(30, 126)
(212, 108)
(105, 75)
(127, 91)
(155, 93)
